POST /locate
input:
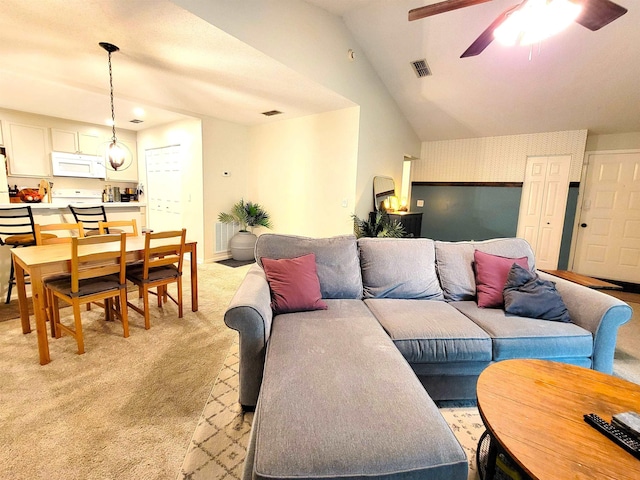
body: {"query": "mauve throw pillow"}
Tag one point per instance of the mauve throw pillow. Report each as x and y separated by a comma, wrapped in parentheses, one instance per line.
(294, 284)
(491, 274)
(527, 295)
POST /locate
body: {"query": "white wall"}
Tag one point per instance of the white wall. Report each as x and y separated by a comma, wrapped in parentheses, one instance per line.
(495, 159)
(315, 43)
(303, 171)
(187, 134)
(225, 147)
(616, 141)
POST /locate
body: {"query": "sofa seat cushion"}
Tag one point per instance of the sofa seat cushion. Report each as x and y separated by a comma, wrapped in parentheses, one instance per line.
(339, 401)
(520, 337)
(399, 268)
(337, 262)
(427, 331)
(454, 261)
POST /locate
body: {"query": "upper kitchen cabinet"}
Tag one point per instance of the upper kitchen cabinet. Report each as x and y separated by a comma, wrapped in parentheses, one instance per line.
(70, 141)
(28, 152)
(130, 173)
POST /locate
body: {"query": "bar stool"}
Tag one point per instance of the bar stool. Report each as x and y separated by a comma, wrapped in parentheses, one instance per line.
(91, 216)
(17, 230)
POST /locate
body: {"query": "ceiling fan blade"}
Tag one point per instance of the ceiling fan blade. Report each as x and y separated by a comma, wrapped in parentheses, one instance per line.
(598, 13)
(441, 7)
(486, 37)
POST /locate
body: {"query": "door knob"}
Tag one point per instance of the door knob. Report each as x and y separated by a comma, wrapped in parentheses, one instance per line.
(583, 225)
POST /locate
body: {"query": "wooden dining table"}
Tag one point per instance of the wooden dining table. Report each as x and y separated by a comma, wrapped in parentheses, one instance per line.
(41, 261)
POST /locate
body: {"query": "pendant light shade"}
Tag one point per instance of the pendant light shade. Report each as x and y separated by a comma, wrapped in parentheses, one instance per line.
(115, 153)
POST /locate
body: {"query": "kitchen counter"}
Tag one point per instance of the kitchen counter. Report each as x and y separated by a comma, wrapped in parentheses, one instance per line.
(55, 206)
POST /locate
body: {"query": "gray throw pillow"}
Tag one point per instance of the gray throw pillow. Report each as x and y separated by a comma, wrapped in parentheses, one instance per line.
(527, 295)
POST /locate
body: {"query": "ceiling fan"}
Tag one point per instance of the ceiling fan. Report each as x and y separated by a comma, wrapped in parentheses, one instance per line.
(594, 15)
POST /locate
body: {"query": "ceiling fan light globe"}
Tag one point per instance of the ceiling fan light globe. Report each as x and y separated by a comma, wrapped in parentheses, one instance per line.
(537, 20)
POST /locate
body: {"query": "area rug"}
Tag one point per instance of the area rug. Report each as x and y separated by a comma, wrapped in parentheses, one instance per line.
(230, 262)
(219, 443)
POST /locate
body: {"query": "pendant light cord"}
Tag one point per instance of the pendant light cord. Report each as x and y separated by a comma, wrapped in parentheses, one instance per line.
(113, 113)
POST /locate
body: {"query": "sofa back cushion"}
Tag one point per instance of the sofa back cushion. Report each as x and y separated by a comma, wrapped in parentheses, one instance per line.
(454, 262)
(399, 268)
(337, 262)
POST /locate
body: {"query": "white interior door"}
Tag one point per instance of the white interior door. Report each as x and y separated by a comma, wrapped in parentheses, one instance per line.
(608, 241)
(164, 180)
(543, 205)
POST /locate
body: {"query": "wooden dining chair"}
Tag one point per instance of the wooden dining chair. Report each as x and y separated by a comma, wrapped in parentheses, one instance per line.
(161, 266)
(98, 272)
(44, 236)
(74, 230)
(131, 227)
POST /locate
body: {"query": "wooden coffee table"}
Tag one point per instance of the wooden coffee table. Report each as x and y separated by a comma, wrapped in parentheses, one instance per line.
(534, 409)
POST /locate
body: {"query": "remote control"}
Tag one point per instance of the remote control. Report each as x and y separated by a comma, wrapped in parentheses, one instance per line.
(627, 442)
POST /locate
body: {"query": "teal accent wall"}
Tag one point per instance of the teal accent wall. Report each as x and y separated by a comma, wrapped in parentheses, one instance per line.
(467, 212)
(457, 212)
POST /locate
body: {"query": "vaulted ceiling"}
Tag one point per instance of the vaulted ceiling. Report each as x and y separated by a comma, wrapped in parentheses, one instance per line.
(174, 64)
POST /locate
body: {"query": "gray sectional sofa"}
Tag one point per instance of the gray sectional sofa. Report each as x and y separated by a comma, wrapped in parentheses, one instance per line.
(349, 391)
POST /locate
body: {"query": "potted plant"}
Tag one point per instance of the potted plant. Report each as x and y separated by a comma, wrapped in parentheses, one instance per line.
(378, 225)
(247, 215)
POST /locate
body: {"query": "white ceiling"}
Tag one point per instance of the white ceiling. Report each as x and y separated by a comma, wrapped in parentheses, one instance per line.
(577, 80)
(174, 64)
(171, 63)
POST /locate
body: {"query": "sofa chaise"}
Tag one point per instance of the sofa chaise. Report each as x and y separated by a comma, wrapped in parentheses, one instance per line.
(347, 389)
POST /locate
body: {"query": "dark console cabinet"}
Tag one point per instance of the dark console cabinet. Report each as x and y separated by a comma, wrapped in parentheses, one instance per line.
(412, 222)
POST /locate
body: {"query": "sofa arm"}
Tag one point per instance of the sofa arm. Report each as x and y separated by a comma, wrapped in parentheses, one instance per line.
(250, 314)
(597, 312)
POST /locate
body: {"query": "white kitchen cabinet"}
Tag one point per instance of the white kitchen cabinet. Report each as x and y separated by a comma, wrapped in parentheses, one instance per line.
(64, 140)
(130, 174)
(71, 141)
(28, 152)
(89, 143)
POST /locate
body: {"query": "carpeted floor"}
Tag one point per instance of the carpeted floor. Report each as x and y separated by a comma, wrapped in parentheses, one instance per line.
(128, 407)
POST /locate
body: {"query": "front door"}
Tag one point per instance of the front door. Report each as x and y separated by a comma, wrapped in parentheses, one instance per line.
(608, 241)
(543, 205)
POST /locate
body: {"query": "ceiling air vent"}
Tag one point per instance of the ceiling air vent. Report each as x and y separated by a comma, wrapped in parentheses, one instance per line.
(421, 68)
(271, 113)
(136, 120)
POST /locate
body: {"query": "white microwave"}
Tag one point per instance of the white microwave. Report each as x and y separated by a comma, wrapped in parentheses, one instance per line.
(77, 165)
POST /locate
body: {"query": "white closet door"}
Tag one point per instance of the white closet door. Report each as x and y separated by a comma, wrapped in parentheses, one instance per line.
(164, 188)
(543, 205)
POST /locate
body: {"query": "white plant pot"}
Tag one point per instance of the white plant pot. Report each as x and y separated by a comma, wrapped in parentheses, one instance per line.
(242, 246)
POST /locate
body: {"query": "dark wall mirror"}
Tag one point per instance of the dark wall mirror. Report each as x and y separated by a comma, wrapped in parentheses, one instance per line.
(383, 189)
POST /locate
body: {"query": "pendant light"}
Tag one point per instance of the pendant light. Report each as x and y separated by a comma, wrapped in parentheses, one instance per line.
(115, 151)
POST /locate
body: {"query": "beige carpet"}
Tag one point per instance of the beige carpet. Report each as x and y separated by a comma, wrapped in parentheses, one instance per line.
(127, 408)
